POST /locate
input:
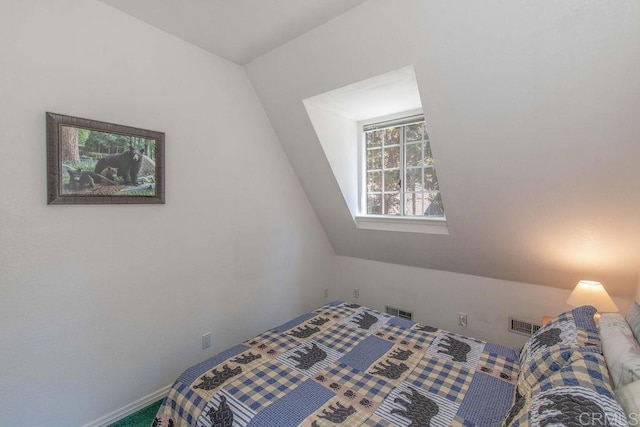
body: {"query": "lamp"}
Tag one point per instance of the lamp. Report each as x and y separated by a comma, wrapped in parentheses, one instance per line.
(588, 292)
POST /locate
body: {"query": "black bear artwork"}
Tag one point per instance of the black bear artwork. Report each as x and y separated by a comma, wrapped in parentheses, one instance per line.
(79, 179)
(127, 163)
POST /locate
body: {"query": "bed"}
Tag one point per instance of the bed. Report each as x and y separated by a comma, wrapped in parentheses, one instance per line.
(344, 364)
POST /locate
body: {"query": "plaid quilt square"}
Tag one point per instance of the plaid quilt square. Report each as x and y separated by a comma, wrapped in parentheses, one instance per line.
(486, 401)
(377, 421)
(500, 350)
(367, 352)
(499, 367)
(368, 320)
(408, 405)
(272, 340)
(586, 370)
(416, 339)
(365, 391)
(183, 402)
(460, 422)
(395, 365)
(547, 363)
(260, 387)
(456, 348)
(307, 330)
(441, 377)
(309, 358)
(223, 408)
(341, 339)
(211, 381)
(336, 412)
(340, 311)
(194, 372)
(294, 407)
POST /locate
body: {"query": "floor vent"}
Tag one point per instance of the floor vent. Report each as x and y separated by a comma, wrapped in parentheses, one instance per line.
(523, 327)
(398, 312)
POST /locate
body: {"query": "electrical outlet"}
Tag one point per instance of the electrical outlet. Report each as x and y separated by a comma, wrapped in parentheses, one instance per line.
(462, 319)
(326, 292)
(356, 293)
(206, 340)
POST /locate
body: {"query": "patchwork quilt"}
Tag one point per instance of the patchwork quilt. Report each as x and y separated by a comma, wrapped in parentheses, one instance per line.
(344, 364)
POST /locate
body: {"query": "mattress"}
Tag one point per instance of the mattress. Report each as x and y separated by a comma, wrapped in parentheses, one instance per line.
(344, 364)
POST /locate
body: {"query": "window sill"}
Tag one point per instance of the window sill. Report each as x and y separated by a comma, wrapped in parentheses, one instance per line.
(402, 224)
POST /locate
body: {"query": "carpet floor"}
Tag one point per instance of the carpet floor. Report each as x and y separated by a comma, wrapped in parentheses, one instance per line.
(143, 418)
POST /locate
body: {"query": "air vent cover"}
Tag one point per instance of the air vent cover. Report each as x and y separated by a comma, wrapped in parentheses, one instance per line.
(523, 327)
(398, 312)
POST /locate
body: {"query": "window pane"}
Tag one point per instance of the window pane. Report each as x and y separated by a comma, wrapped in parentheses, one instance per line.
(374, 204)
(378, 136)
(435, 207)
(374, 159)
(414, 132)
(428, 155)
(392, 204)
(392, 157)
(413, 180)
(374, 181)
(413, 154)
(368, 136)
(414, 204)
(392, 180)
(401, 185)
(430, 179)
(393, 136)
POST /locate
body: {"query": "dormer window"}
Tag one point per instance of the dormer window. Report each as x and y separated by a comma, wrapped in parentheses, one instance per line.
(374, 135)
(399, 172)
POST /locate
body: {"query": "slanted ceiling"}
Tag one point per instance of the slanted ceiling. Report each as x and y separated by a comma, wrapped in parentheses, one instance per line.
(532, 111)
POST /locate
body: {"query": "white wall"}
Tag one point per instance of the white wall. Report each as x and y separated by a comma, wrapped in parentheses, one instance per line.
(102, 305)
(338, 134)
(531, 108)
(436, 297)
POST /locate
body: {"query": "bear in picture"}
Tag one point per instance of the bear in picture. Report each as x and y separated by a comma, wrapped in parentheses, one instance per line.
(127, 163)
(110, 173)
(80, 180)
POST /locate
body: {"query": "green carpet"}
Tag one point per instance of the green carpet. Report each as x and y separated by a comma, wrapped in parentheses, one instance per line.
(143, 418)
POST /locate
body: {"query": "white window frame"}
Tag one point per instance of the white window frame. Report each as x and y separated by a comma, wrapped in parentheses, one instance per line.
(401, 223)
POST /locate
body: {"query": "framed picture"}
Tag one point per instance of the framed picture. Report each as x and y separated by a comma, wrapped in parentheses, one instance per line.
(92, 162)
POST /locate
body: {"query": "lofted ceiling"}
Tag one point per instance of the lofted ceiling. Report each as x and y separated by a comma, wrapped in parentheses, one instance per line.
(237, 30)
(532, 114)
(532, 111)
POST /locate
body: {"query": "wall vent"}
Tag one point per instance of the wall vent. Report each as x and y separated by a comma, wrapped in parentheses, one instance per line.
(398, 312)
(523, 327)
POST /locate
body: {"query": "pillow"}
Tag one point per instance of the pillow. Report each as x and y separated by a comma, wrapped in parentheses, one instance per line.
(629, 398)
(633, 319)
(575, 395)
(549, 349)
(620, 348)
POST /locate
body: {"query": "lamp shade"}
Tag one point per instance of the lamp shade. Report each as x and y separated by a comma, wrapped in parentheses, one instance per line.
(592, 293)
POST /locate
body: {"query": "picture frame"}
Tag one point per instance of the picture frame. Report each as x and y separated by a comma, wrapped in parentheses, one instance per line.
(94, 162)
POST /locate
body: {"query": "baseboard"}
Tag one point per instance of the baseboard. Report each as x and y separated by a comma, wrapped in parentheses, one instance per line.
(129, 409)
